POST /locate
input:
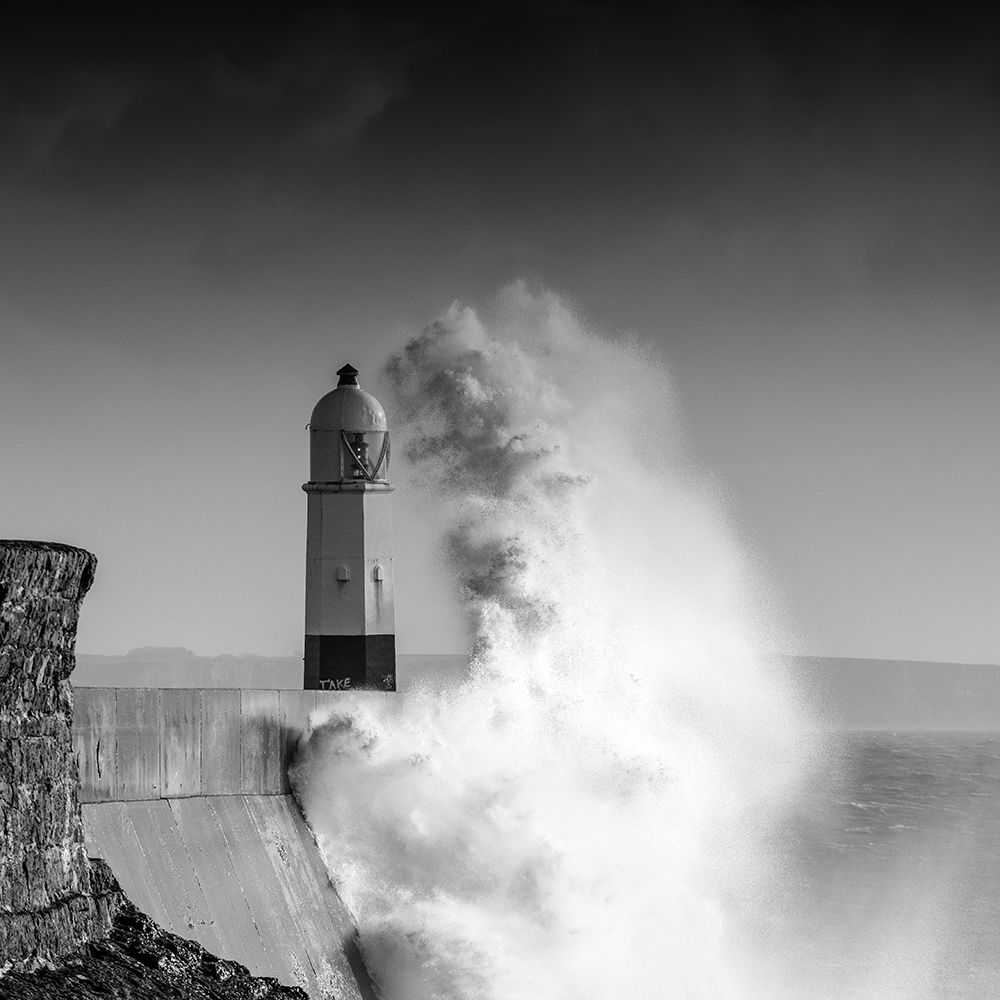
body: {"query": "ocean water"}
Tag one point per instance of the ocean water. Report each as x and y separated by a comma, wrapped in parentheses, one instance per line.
(886, 878)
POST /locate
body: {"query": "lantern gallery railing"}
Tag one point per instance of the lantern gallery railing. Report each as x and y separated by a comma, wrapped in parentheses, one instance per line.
(356, 455)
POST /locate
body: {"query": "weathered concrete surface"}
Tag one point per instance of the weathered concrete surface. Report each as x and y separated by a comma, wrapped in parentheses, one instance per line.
(242, 876)
(133, 743)
(48, 906)
(150, 743)
(186, 796)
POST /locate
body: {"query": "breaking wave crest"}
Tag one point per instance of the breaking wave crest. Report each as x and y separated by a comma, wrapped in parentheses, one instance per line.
(579, 816)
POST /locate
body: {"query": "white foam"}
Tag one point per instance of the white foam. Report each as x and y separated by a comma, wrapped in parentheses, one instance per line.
(576, 819)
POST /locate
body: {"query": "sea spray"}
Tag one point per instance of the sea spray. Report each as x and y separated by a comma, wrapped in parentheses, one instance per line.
(577, 817)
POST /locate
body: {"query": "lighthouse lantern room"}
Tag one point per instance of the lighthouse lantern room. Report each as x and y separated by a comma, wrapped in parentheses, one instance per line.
(350, 640)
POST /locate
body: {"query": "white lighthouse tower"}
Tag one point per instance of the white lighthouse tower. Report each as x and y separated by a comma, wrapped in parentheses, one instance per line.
(350, 625)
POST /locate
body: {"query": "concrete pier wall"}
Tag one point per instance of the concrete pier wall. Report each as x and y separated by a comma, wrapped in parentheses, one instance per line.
(185, 794)
(160, 743)
(241, 875)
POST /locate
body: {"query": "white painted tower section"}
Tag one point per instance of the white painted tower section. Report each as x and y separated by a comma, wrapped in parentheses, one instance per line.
(349, 540)
(350, 622)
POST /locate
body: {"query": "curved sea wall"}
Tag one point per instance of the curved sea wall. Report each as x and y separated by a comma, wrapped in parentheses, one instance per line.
(185, 794)
(48, 903)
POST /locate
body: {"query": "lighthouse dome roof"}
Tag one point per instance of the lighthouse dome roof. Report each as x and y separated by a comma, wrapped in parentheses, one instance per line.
(348, 407)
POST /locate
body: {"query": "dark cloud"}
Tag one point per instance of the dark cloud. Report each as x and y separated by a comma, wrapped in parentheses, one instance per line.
(128, 101)
(550, 97)
(517, 135)
(602, 88)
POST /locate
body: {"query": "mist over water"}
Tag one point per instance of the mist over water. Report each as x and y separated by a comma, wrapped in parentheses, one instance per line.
(586, 813)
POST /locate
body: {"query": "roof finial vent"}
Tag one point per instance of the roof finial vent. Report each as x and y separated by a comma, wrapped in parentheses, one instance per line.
(348, 375)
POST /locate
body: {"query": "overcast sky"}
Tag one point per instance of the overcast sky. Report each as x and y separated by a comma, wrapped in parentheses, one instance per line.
(795, 205)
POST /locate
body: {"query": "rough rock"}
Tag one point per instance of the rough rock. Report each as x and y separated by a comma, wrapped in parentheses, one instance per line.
(48, 906)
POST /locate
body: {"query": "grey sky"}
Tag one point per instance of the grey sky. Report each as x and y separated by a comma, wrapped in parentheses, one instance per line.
(796, 205)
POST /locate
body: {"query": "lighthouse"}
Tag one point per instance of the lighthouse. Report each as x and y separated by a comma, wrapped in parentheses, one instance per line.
(350, 640)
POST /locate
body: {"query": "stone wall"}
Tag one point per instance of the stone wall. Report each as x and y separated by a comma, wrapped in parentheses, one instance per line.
(50, 901)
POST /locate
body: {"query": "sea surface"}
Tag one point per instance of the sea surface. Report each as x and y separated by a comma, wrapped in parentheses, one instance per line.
(888, 881)
(880, 879)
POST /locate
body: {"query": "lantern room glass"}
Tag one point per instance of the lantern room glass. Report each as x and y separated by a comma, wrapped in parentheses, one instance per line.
(364, 455)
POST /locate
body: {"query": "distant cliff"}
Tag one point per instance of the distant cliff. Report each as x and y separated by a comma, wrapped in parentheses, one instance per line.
(66, 929)
(174, 666)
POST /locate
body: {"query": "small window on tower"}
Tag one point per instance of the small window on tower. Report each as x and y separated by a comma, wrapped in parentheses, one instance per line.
(377, 574)
(364, 455)
(343, 572)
